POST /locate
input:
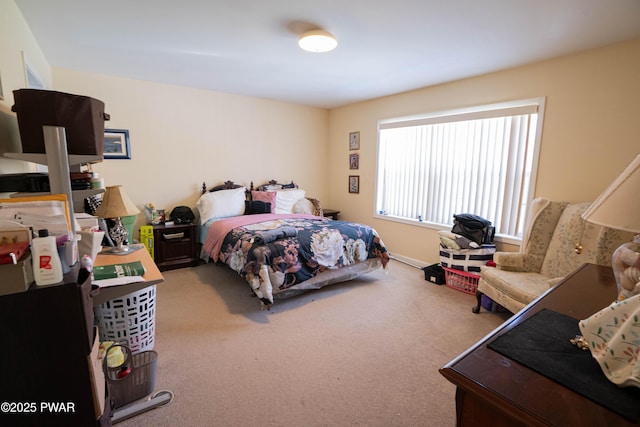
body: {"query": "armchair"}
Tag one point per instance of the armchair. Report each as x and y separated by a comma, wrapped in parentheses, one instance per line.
(556, 241)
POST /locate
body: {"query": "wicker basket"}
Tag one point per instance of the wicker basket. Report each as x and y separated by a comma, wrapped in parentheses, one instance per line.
(461, 280)
(138, 383)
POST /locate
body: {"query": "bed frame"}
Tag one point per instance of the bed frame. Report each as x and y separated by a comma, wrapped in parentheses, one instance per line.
(230, 185)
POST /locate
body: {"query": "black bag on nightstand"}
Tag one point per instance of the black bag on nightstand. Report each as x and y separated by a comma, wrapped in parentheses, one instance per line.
(182, 215)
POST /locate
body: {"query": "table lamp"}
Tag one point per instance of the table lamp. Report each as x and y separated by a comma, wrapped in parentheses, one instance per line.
(613, 334)
(618, 207)
(116, 204)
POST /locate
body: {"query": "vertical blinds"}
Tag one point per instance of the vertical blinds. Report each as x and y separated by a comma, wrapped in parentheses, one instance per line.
(480, 162)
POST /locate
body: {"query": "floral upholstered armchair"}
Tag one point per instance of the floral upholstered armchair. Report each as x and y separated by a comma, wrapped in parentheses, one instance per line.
(556, 241)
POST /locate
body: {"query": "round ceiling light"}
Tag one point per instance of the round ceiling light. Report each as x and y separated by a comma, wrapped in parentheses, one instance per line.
(317, 41)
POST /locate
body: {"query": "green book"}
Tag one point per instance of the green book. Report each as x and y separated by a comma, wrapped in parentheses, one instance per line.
(134, 268)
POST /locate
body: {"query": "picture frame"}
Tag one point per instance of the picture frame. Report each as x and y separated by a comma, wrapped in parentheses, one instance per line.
(31, 78)
(354, 140)
(116, 144)
(1, 91)
(354, 183)
(354, 161)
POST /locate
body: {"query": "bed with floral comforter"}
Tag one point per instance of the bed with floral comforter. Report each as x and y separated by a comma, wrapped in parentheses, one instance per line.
(284, 254)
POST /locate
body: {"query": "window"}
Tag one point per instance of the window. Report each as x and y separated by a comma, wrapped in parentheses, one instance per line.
(481, 161)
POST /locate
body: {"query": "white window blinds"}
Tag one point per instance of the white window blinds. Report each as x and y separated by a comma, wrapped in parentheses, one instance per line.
(480, 162)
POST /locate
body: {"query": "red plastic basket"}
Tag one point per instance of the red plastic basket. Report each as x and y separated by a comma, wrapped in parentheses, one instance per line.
(461, 280)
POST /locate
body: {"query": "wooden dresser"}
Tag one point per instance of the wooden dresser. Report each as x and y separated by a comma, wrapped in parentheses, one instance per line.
(493, 390)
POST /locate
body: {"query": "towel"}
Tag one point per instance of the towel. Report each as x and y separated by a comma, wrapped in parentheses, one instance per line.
(268, 236)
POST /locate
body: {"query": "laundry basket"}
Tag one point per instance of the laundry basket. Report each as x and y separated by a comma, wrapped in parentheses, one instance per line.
(138, 383)
(131, 318)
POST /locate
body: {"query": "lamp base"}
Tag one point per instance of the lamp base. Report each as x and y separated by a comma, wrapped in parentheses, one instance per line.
(124, 251)
(626, 268)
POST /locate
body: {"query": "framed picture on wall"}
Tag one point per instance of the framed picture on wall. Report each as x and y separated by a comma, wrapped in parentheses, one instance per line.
(354, 141)
(116, 144)
(354, 183)
(354, 161)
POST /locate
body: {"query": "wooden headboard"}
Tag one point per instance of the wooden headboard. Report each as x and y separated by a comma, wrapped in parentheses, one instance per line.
(274, 182)
(228, 185)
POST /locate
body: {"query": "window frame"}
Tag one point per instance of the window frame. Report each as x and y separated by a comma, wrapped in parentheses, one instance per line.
(472, 112)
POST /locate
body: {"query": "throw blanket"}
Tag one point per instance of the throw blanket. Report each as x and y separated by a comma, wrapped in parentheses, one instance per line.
(268, 236)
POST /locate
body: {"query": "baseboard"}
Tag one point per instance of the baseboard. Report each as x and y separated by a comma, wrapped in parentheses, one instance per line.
(409, 261)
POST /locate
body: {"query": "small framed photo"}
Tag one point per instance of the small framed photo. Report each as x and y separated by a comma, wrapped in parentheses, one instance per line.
(116, 144)
(354, 161)
(354, 183)
(158, 217)
(354, 141)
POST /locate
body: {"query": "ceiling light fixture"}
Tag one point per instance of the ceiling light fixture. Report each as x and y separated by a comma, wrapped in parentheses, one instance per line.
(317, 41)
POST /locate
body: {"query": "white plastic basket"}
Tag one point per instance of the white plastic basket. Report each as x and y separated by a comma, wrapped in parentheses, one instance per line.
(131, 318)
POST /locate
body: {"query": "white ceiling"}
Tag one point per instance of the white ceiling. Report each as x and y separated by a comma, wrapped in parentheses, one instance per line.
(250, 46)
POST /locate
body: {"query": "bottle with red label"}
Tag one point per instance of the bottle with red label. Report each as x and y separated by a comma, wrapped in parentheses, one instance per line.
(47, 268)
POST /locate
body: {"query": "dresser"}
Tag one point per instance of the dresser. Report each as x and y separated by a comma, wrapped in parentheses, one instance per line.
(493, 390)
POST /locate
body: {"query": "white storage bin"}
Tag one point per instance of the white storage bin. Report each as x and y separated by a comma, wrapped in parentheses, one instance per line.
(467, 259)
(131, 318)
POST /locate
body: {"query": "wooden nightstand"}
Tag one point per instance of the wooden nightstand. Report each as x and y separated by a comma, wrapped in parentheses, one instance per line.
(330, 213)
(175, 246)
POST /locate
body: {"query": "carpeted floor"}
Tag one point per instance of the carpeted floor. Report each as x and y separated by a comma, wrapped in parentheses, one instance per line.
(366, 352)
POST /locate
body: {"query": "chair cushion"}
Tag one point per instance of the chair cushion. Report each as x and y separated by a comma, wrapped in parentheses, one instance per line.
(512, 289)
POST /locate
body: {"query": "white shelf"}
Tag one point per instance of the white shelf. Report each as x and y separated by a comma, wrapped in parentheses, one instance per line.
(59, 163)
(41, 159)
(78, 196)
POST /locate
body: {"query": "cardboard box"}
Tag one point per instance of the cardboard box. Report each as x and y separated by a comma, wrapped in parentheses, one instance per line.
(16, 277)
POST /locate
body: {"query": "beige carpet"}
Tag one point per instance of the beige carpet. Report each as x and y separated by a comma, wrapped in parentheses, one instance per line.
(366, 352)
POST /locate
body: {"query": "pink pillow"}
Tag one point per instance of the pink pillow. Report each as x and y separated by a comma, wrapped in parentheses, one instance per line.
(265, 196)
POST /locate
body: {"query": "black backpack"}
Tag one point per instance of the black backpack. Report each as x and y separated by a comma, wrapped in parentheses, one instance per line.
(182, 215)
(473, 227)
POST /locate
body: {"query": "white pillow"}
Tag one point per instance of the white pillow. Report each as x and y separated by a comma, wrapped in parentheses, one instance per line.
(285, 199)
(221, 204)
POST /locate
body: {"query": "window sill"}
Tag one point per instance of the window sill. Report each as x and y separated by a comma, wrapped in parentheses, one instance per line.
(510, 240)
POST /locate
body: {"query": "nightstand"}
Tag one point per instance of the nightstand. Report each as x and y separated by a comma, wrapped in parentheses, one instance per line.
(330, 213)
(174, 246)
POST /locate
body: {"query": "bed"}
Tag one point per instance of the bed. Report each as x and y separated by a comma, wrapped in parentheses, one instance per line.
(276, 238)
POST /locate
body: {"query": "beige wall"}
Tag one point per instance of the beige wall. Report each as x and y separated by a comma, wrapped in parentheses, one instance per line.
(17, 45)
(181, 137)
(591, 132)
